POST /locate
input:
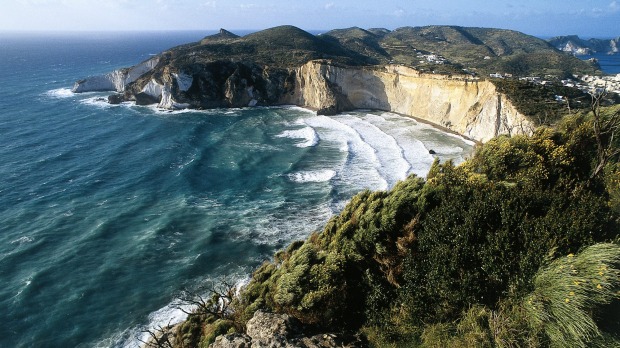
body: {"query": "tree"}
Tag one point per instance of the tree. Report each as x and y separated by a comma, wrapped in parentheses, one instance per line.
(216, 302)
(606, 128)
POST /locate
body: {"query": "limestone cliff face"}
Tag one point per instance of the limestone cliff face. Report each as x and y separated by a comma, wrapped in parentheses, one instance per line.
(469, 107)
(473, 108)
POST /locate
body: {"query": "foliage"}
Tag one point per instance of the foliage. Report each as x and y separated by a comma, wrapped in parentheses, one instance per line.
(210, 314)
(538, 101)
(568, 292)
(462, 258)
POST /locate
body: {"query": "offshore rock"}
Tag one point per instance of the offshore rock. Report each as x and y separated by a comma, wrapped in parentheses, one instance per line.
(115, 99)
(281, 331)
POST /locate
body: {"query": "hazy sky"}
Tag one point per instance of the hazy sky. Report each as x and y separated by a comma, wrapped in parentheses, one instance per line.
(548, 18)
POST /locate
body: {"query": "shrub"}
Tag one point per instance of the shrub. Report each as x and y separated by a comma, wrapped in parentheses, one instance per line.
(570, 291)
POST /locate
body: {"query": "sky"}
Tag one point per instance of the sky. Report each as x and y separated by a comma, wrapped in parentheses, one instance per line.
(596, 18)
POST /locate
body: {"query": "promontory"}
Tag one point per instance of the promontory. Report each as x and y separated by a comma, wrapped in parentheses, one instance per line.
(438, 74)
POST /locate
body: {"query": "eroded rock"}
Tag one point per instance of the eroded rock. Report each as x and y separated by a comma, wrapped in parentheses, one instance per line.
(270, 330)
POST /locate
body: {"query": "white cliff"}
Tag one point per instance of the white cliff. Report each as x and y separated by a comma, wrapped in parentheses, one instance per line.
(473, 108)
(116, 80)
(153, 88)
(184, 81)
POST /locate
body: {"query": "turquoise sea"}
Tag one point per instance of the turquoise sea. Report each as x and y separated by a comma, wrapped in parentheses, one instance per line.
(108, 212)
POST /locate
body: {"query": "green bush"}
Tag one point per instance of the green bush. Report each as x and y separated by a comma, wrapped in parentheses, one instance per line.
(448, 260)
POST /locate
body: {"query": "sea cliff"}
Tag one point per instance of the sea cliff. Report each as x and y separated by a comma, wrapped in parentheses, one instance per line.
(433, 73)
(470, 107)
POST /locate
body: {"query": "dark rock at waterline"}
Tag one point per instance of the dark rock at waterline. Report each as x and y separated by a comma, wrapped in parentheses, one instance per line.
(431, 151)
(145, 99)
(116, 99)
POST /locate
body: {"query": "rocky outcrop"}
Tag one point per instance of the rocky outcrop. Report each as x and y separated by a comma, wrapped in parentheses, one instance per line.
(577, 46)
(473, 108)
(117, 80)
(281, 331)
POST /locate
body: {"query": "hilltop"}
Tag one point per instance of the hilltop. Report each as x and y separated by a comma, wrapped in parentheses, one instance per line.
(453, 48)
(447, 49)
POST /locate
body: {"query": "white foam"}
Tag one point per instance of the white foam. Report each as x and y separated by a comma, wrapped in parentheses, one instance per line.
(391, 161)
(100, 102)
(312, 176)
(307, 134)
(60, 93)
(359, 168)
(405, 131)
(23, 240)
(299, 108)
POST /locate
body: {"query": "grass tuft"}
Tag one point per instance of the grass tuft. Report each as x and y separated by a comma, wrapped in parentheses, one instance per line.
(569, 290)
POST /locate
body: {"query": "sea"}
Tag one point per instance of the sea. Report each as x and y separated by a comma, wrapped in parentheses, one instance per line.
(107, 213)
(609, 63)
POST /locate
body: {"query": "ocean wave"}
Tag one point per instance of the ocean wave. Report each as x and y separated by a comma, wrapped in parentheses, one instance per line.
(98, 101)
(391, 162)
(312, 176)
(360, 166)
(60, 93)
(308, 136)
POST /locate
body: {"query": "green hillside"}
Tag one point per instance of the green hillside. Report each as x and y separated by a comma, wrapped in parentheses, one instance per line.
(516, 247)
(479, 50)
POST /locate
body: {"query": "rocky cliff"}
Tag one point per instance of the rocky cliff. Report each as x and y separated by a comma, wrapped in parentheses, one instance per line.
(578, 46)
(471, 107)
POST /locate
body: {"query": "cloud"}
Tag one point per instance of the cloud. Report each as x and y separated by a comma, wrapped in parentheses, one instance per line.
(329, 6)
(614, 6)
(399, 13)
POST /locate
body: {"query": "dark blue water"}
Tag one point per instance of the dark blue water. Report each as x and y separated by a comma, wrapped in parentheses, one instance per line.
(610, 63)
(107, 212)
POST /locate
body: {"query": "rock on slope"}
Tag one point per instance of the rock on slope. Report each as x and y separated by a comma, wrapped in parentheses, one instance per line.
(280, 331)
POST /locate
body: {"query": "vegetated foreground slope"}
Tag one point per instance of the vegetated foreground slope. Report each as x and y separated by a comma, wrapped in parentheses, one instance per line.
(504, 250)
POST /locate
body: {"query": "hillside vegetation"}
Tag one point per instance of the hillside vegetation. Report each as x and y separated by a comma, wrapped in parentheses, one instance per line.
(481, 50)
(516, 247)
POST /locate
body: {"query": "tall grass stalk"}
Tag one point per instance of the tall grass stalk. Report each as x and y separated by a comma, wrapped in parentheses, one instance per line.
(569, 290)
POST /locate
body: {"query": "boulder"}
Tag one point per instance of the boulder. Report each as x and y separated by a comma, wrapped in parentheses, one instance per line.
(116, 99)
(270, 330)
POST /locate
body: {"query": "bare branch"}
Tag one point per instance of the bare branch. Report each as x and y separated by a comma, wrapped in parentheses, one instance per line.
(159, 338)
(216, 301)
